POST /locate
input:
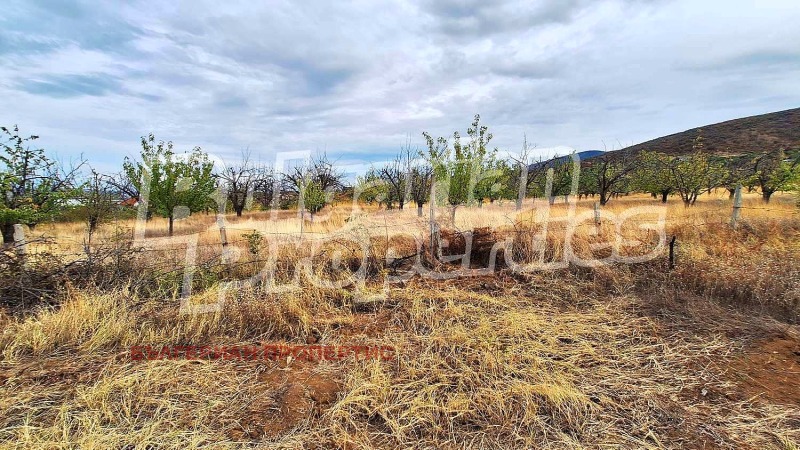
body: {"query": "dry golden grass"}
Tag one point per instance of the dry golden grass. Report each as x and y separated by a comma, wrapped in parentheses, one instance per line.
(623, 356)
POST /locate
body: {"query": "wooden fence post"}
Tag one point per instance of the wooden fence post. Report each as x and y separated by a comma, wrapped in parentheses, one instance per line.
(434, 229)
(672, 253)
(737, 206)
(597, 216)
(20, 244)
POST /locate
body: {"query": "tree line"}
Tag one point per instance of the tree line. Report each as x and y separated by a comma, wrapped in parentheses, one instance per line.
(454, 171)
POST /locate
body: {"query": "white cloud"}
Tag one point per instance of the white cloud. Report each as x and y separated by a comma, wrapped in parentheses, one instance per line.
(356, 79)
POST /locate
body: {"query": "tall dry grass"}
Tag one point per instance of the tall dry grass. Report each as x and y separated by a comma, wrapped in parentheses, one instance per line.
(622, 356)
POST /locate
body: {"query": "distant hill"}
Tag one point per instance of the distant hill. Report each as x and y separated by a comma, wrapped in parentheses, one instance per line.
(734, 137)
(582, 156)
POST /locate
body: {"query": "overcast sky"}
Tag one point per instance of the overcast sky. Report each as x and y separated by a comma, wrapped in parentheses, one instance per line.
(356, 78)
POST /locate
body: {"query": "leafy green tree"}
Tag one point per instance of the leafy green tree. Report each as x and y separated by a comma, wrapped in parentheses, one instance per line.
(371, 188)
(738, 170)
(609, 173)
(496, 181)
(694, 173)
(562, 168)
(34, 188)
(314, 198)
(654, 175)
(467, 165)
(437, 157)
(587, 185)
(773, 172)
(171, 185)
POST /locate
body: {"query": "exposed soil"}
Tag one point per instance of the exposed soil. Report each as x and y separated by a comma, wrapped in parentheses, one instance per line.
(770, 370)
(483, 239)
(290, 396)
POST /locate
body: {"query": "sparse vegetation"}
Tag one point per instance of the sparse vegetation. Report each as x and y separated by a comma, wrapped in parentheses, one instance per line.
(173, 185)
(576, 356)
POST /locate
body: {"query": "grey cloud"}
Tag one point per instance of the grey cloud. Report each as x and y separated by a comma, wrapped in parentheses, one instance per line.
(356, 78)
(38, 25)
(64, 86)
(759, 61)
(475, 18)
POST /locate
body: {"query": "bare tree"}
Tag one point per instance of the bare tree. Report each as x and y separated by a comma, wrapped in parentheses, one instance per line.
(98, 200)
(319, 170)
(397, 175)
(264, 187)
(421, 179)
(522, 160)
(239, 182)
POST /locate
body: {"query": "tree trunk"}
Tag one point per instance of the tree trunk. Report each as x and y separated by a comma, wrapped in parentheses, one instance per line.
(171, 220)
(654, 195)
(8, 235)
(93, 221)
(523, 185)
(552, 199)
(731, 193)
(402, 204)
(765, 195)
(419, 209)
(664, 195)
(603, 198)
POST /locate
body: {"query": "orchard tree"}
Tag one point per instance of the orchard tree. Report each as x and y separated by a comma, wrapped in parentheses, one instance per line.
(608, 173)
(314, 198)
(98, 201)
(738, 170)
(525, 172)
(694, 173)
(773, 172)
(496, 181)
(33, 187)
(171, 185)
(467, 165)
(264, 187)
(320, 170)
(437, 157)
(421, 179)
(654, 175)
(240, 181)
(371, 188)
(562, 169)
(397, 174)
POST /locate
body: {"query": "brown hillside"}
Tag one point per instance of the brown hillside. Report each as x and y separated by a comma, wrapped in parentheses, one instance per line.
(734, 137)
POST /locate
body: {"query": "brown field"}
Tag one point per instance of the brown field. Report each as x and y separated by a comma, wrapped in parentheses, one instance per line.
(706, 355)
